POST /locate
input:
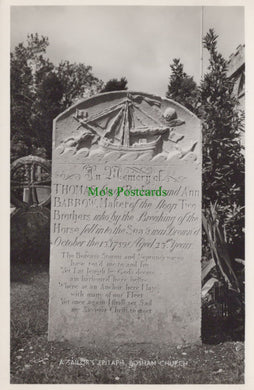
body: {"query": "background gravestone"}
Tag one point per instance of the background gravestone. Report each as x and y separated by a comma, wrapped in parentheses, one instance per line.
(30, 219)
(126, 268)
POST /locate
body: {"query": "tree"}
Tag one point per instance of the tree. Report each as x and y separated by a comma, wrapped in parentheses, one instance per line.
(47, 105)
(40, 91)
(182, 88)
(22, 91)
(223, 161)
(115, 85)
(32, 108)
(223, 180)
(222, 121)
(78, 82)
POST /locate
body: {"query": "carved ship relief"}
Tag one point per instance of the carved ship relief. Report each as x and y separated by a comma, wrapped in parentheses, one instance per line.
(125, 127)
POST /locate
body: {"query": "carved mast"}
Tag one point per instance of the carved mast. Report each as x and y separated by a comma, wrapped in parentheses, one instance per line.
(126, 124)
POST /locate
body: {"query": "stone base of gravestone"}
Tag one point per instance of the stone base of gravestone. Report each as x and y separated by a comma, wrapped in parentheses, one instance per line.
(30, 236)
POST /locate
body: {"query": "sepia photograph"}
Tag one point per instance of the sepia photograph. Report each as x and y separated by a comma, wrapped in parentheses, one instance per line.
(127, 194)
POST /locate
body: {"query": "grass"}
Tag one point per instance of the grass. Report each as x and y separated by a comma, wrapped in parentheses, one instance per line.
(34, 360)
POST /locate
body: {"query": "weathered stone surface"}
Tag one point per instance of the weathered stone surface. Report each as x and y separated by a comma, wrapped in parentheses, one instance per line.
(126, 268)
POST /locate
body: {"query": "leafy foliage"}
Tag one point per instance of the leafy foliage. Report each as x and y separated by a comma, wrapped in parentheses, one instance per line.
(115, 85)
(223, 181)
(222, 122)
(21, 95)
(223, 275)
(39, 92)
(182, 88)
(223, 162)
(219, 250)
(78, 82)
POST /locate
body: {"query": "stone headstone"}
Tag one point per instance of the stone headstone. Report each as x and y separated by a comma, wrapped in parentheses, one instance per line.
(126, 222)
(30, 235)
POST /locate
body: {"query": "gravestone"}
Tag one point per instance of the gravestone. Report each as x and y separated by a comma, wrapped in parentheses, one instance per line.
(126, 222)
